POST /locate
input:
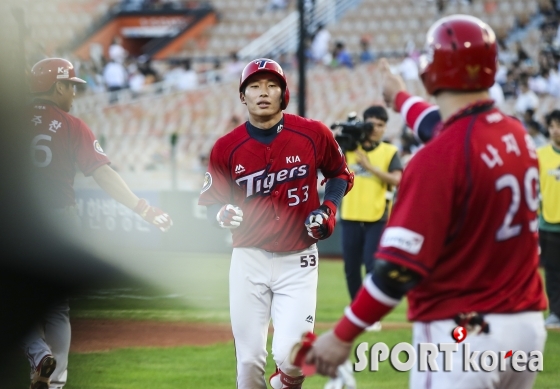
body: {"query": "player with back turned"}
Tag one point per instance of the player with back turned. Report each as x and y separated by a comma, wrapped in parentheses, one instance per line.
(262, 184)
(462, 239)
(59, 142)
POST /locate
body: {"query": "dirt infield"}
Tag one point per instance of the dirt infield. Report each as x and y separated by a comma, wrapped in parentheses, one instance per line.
(94, 335)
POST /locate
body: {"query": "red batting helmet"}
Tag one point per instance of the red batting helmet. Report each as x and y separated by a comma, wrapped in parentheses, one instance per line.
(270, 66)
(47, 72)
(462, 55)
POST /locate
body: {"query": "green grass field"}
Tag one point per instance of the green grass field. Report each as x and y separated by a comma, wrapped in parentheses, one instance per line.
(187, 287)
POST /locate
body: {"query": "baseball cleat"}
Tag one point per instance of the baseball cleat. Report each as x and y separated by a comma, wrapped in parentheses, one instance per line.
(43, 372)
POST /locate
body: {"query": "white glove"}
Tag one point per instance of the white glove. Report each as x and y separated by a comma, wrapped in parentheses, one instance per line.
(345, 378)
(229, 216)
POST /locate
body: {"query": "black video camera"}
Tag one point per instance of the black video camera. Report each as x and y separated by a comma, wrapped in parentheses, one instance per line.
(352, 132)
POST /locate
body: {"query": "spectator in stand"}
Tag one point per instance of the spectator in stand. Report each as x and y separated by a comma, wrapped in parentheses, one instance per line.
(539, 83)
(505, 54)
(509, 88)
(234, 67)
(115, 78)
(497, 94)
(554, 82)
(320, 45)
(527, 99)
(117, 52)
(365, 53)
(136, 81)
(408, 69)
(341, 57)
(274, 5)
(171, 77)
(534, 129)
(214, 75)
(187, 77)
(522, 57)
(501, 73)
(145, 67)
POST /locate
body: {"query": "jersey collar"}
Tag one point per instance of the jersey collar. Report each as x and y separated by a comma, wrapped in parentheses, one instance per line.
(264, 136)
(471, 109)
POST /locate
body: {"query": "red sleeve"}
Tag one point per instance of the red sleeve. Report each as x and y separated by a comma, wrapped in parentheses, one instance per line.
(330, 157)
(88, 152)
(217, 180)
(415, 233)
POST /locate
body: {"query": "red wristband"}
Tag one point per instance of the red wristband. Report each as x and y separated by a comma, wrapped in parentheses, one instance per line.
(366, 309)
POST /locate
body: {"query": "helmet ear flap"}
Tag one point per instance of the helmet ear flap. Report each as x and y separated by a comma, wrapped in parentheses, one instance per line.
(285, 98)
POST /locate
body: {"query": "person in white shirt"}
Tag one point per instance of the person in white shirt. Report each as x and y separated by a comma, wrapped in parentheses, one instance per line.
(188, 78)
(320, 45)
(117, 52)
(115, 77)
(527, 99)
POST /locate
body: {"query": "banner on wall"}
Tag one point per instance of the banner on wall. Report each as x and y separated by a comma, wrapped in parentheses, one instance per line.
(107, 221)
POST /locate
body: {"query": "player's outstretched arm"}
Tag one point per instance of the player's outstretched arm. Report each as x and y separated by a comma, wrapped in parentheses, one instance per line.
(113, 184)
(419, 115)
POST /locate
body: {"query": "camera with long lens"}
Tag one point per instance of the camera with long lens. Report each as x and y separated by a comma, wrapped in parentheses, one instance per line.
(352, 132)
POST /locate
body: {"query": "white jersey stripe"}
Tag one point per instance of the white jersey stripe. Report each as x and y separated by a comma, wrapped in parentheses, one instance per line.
(354, 319)
(408, 104)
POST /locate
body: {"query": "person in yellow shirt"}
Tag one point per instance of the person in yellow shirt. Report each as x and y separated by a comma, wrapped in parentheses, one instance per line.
(364, 211)
(549, 216)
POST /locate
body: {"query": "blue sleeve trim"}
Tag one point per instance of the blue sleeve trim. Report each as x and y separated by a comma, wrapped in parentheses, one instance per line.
(334, 190)
(427, 126)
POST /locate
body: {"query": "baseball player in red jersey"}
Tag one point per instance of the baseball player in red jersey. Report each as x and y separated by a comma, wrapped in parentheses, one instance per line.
(59, 141)
(462, 239)
(262, 184)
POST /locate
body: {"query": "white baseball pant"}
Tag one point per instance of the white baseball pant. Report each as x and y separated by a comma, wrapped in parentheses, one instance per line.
(517, 331)
(51, 336)
(265, 285)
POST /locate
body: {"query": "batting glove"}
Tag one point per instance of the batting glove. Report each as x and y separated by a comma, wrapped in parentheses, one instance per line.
(320, 223)
(230, 216)
(153, 215)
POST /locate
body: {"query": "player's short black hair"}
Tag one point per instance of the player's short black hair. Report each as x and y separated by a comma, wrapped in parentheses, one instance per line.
(376, 111)
(553, 116)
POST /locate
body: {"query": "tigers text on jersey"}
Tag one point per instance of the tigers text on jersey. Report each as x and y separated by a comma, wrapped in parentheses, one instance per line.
(274, 184)
(465, 219)
(59, 141)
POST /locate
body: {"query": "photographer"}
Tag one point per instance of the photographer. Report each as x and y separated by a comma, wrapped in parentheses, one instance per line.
(365, 209)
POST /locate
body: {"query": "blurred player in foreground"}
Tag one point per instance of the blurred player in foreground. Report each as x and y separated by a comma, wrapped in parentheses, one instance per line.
(59, 141)
(462, 240)
(262, 184)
